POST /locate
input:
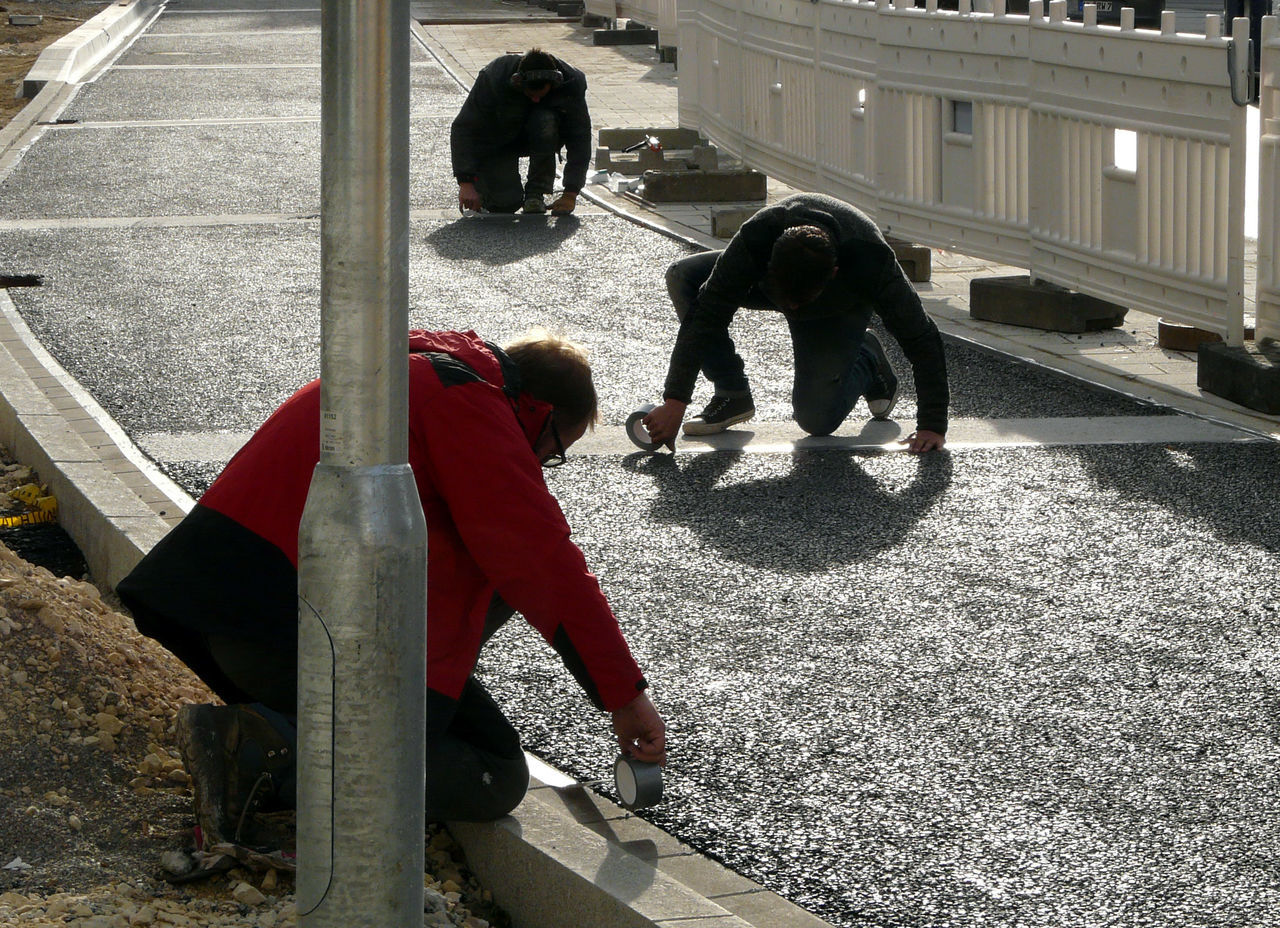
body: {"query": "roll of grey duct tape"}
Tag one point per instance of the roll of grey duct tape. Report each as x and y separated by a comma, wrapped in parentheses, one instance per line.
(639, 783)
(636, 431)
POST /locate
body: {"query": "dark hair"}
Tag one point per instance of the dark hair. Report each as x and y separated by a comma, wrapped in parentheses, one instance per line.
(536, 70)
(802, 260)
(556, 371)
(535, 59)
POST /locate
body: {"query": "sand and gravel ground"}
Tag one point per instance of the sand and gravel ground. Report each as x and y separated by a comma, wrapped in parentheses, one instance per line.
(92, 788)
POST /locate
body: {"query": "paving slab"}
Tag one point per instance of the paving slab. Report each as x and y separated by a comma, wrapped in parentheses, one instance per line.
(261, 167)
(145, 95)
(183, 19)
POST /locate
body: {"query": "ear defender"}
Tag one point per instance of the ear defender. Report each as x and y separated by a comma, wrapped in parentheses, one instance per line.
(552, 76)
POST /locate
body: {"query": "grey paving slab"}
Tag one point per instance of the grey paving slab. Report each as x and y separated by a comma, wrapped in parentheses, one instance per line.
(219, 93)
(231, 49)
(177, 20)
(995, 688)
(164, 171)
(241, 6)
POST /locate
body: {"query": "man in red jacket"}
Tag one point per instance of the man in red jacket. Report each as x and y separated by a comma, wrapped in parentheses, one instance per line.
(220, 590)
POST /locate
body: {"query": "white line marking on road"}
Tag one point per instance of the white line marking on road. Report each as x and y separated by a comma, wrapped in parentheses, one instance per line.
(785, 438)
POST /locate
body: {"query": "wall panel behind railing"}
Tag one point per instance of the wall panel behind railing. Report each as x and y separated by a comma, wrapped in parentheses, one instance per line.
(1165, 233)
(951, 153)
(1106, 159)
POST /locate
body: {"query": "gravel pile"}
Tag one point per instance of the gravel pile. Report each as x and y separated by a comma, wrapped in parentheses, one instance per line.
(93, 794)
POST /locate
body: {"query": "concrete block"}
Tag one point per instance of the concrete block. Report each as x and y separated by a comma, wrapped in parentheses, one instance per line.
(916, 260)
(704, 158)
(568, 8)
(633, 164)
(670, 137)
(703, 186)
(667, 54)
(640, 36)
(1248, 376)
(25, 19)
(725, 223)
(1176, 336)
(1042, 305)
(592, 21)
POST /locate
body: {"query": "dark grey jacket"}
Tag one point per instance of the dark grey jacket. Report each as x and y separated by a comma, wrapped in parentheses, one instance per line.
(869, 280)
(494, 113)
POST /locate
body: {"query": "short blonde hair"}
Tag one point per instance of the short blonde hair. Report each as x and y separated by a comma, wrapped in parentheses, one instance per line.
(556, 371)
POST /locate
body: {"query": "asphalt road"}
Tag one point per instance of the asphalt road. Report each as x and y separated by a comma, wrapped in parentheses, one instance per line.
(1004, 686)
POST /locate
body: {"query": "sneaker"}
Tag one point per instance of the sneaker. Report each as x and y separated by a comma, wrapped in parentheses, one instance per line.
(719, 414)
(535, 205)
(882, 391)
(240, 762)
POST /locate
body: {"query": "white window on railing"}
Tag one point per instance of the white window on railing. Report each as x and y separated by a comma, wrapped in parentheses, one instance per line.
(1124, 150)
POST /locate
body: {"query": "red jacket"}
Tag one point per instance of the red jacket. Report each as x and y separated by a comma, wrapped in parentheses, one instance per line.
(492, 524)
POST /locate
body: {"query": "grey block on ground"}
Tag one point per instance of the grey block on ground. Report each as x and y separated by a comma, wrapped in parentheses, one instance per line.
(592, 21)
(1248, 376)
(667, 54)
(725, 223)
(1042, 305)
(703, 186)
(670, 136)
(916, 260)
(624, 37)
(632, 164)
(1176, 336)
(25, 19)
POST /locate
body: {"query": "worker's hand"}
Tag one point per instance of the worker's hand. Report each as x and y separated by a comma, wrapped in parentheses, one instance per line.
(922, 440)
(468, 196)
(664, 422)
(564, 204)
(641, 731)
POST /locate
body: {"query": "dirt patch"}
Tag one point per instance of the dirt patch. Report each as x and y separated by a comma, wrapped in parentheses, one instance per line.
(93, 794)
(21, 45)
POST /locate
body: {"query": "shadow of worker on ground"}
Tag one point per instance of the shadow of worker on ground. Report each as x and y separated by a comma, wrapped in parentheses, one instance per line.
(827, 511)
(497, 239)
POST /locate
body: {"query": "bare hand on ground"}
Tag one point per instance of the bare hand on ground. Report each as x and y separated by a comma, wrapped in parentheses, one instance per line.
(564, 203)
(923, 440)
(664, 422)
(468, 196)
(641, 731)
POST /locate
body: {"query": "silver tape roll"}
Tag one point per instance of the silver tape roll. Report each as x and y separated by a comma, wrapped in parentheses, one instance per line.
(636, 431)
(639, 783)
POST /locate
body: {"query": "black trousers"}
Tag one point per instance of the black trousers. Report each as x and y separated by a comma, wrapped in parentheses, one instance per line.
(498, 181)
(476, 770)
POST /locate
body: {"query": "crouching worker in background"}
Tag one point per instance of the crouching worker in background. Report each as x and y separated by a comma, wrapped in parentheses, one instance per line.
(220, 590)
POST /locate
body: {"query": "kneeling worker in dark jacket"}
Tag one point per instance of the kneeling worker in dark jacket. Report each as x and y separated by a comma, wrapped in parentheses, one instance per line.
(532, 104)
(220, 590)
(827, 269)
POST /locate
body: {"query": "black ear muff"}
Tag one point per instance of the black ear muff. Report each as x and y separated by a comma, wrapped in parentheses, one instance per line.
(532, 78)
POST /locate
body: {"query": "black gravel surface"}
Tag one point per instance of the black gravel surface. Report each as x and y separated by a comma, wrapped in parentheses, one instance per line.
(996, 688)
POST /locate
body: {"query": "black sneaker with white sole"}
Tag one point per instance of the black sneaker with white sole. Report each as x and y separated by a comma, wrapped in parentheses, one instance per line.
(882, 391)
(719, 414)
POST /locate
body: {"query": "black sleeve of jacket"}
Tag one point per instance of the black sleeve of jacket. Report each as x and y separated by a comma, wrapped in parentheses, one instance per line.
(476, 110)
(899, 307)
(740, 266)
(577, 135)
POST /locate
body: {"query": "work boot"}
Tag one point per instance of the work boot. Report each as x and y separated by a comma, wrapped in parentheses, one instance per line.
(882, 391)
(241, 760)
(535, 204)
(720, 413)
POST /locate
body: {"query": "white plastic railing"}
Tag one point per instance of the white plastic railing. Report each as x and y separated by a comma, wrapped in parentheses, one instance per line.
(995, 134)
(1268, 318)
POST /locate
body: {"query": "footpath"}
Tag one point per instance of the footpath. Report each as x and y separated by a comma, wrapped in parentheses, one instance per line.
(568, 856)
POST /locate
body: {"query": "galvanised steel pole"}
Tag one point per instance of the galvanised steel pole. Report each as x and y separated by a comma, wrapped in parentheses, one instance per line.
(362, 584)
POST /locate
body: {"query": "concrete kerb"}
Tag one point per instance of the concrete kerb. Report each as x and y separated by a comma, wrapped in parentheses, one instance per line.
(76, 54)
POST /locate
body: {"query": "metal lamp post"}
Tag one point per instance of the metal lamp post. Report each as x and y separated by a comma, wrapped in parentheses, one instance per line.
(362, 543)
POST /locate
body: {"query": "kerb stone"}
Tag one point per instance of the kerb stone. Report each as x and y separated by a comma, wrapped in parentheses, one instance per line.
(1248, 376)
(703, 186)
(624, 37)
(916, 260)
(1042, 305)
